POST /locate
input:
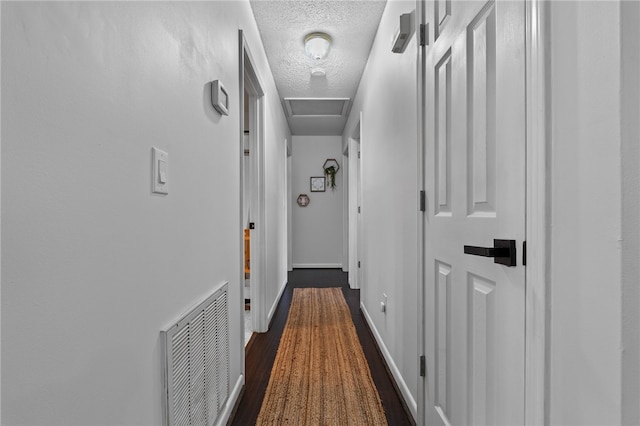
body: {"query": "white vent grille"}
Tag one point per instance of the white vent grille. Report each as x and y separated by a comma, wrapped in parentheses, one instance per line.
(316, 107)
(196, 363)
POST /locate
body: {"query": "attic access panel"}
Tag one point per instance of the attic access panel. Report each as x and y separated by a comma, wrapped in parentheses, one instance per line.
(316, 107)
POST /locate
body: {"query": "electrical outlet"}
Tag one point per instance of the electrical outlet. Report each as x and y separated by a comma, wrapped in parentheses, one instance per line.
(383, 304)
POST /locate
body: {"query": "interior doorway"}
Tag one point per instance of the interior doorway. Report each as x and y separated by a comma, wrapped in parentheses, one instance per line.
(252, 196)
(355, 208)
(246, 219)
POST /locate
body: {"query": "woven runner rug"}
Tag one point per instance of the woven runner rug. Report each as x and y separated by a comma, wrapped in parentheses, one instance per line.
(320, 375)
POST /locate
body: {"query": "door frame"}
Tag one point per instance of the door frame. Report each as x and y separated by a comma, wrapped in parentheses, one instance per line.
(423, 384)
(356, 249)
(250, 81)
(537, 210)
(289, 208)
(346, 184)
(537, 69)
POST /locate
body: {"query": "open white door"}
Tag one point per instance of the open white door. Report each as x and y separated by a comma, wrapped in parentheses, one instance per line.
(250, 83)
(355, 210)
(474, 168)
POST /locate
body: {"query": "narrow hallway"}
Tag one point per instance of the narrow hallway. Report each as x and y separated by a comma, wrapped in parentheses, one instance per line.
(261, 350)
(486, 162)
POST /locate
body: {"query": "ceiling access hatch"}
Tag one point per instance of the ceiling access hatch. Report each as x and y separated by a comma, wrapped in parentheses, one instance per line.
(316, 107)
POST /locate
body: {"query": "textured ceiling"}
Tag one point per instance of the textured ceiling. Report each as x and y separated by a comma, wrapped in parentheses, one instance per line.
(352, 25)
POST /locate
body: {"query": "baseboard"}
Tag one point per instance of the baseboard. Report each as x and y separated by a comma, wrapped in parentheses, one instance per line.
(272, 311)
(395, 371)
(317, 266)
(223, 419)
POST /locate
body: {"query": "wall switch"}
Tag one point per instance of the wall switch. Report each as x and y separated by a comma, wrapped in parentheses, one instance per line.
(162, 171)
(160, 178)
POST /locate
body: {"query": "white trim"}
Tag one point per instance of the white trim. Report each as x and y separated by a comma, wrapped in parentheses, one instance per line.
(0, 240)
(537, 211)
(241, 276)
(353, 147)
(317, 265)
(250, 80)
(223, 418)
(395, 371)
(420, 216)
(361, 244)
(290, 204)
(345, 209)
(272, 311)
(257, 215)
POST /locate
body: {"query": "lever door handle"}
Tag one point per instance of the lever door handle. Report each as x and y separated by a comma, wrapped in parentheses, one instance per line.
(503, 252)
(486, 251)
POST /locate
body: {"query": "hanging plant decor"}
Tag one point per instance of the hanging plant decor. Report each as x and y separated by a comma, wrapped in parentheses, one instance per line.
(331, 168)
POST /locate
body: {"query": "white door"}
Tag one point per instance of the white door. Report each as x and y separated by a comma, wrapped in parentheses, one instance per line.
(474, 167)
(360, 245)
(354, 213)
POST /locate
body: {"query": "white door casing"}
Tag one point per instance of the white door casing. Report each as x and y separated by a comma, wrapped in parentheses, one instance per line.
(250, 81)
(352, 213)
(355, 208)
(474, 170)
(360, 241)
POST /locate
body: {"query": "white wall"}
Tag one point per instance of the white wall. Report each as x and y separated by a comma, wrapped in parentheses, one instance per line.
(387, 99)
(0, 229)
(94, 265)
(594, 234)
(317, 229)
(276, 242)
(630, 151)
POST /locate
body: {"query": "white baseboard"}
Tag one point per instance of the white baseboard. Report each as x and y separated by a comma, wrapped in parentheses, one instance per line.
(395, 371)
(272, 311)
(317, 265)
(223, 419)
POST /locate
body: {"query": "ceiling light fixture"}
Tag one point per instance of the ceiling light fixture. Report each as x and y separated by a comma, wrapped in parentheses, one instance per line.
(316, 45)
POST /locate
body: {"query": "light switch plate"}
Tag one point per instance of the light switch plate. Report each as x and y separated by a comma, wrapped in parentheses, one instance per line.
(160, 177)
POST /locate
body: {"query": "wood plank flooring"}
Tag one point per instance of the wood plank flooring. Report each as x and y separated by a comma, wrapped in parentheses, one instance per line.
(261, 350)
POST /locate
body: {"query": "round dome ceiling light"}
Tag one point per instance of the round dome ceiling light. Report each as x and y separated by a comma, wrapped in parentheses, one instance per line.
(316, 45)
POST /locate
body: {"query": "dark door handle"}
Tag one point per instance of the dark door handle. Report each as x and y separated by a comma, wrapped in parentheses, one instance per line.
(486, 251)
(503, 252)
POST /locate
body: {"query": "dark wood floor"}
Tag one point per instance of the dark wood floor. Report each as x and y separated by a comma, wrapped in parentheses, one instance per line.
(261, 351)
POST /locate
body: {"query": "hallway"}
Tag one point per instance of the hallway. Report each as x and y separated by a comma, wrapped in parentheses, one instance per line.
(505, 128)
(261, 351)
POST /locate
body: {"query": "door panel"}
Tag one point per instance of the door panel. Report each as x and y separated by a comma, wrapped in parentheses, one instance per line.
(481, 60)
(475, 184)
(442, 12)
(442, 129)
(443, 333)
(482, 326)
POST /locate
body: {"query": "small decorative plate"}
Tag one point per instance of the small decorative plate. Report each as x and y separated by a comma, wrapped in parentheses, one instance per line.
(303, 200)
(318, 184)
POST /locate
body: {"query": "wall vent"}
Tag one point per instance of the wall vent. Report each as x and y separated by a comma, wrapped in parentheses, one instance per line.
(196, 363)
(316, 107)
